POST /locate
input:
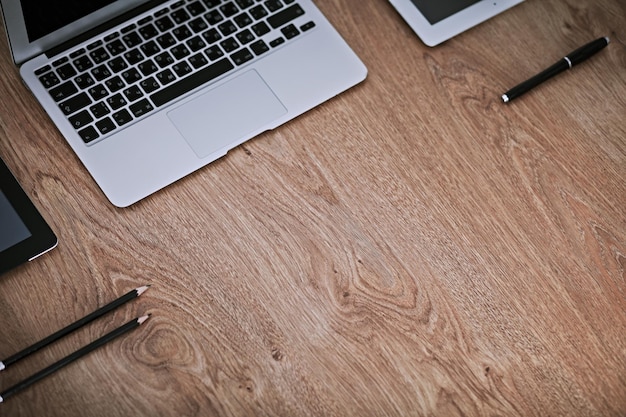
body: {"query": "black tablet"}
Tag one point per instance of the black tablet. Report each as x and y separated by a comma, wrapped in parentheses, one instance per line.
(24, 234)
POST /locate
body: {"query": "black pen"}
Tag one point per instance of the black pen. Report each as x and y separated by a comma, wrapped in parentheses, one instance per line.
(567, 62)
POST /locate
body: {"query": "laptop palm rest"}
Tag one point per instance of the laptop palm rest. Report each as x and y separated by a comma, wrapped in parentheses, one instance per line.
(227, 114)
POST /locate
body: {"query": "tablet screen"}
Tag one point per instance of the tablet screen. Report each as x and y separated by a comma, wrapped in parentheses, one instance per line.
(13, 228)
(436, 21)
(24, 234)
(435, 11)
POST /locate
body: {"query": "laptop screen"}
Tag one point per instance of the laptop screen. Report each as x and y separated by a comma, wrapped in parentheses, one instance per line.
(36, 26)
(44, 17)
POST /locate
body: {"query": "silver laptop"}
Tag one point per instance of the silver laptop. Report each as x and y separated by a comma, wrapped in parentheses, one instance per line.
(147, 91)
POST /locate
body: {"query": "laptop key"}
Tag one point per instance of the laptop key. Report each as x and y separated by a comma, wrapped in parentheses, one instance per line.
(118, 64)
(101, 72)
(229, 45)
(141, 108)
(193, 81)
(148, 31)
(180, 51)
(84, 81)
(98, 92)
(164, 59)
(114, 84)
(81, 119)
(180, 16)
(43, 70)
(99, 110)
(242, 56)
(164, 23)
(117, 101)
(245, 36)
(88, 134)
(49, 80)
(166, 77)
(132, 39)
(166, 40)
(258, 12)
(116, 47)
(83, 63)
(131, 76)
(198, 25)
(285, 16)
(99, 55)
(150, 48)
(133, 93)
(213, 17)
(147, 67)
(182, 68)
(244, 4)
(66, 71)
(307, 26)
(149, 85)
(242, 20)
(211, 36)
(63, 91)
(229, 9)
(214, 52)
(196, 8)
(198, 60)
(277, 41)
(182, 33)
(75, 103)
(196, 43)
(259, 47)
(212, 3)
(105, 125)
(273, 5)
(260, 28)
(290, 31)
(122, 117)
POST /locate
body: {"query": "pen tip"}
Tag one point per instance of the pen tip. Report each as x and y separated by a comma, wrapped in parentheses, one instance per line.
(606, 38)
(505, 98)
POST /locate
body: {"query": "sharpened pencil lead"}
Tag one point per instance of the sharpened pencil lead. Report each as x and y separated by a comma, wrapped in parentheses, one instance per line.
(141, 290)
(142, 319)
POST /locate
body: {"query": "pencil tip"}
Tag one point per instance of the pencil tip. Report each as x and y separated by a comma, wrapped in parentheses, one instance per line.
(142, 319)
(141, 290)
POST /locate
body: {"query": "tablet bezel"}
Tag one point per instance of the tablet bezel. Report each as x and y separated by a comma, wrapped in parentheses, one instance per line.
(434, 34)
(42, 237)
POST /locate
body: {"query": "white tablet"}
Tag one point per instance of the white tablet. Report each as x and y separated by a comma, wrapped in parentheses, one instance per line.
(435, 21)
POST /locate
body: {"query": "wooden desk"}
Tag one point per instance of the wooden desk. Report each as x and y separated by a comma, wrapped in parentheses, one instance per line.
(412, 247)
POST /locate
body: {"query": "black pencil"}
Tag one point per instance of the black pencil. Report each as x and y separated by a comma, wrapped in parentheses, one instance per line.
(74, 326)
(72, 357)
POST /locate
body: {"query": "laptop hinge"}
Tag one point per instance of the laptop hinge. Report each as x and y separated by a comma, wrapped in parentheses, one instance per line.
(103, 27)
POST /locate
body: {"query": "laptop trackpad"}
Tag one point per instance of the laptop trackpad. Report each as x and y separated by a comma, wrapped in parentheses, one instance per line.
(220, 118)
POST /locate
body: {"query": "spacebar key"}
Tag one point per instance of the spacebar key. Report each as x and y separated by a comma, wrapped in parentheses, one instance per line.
(187, 84)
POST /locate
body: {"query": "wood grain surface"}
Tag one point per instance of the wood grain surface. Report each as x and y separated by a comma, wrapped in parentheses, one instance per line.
(412, 247)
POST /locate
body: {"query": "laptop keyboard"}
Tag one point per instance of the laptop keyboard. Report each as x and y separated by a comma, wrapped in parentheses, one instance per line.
(132, 72)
